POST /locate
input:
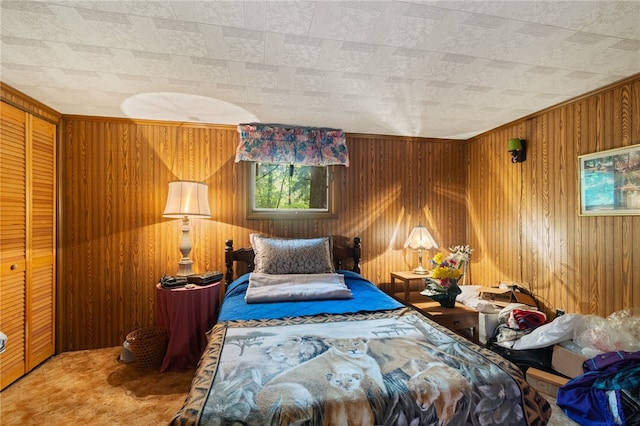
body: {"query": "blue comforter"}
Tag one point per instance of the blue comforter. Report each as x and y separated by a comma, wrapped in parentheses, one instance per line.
(366, 298)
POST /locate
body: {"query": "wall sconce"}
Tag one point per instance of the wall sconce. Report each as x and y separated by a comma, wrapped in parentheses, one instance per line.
(186, 199)
(420, 239)
(517, 149)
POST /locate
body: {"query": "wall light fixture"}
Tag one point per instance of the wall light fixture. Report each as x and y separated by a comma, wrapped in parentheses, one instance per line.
(516, 148)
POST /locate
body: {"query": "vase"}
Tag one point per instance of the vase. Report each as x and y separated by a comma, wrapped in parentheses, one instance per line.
(464, 272)
(448, 299)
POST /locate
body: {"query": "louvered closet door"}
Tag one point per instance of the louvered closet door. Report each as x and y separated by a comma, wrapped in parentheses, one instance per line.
(12, 242)
(40, 240)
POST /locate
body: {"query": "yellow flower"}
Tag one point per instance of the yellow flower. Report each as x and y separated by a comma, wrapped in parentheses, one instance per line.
(442, 272)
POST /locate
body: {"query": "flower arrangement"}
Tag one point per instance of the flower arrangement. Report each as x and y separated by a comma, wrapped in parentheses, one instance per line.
(447, 271)
(462, 253)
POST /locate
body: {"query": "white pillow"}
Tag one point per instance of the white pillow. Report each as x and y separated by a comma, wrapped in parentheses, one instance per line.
(292, 256)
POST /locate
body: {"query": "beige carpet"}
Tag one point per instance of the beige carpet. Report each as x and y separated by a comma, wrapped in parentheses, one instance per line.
(92, 387)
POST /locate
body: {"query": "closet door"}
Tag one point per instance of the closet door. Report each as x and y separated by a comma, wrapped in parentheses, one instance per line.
(13, 204)
(41, 215)
(27, 241)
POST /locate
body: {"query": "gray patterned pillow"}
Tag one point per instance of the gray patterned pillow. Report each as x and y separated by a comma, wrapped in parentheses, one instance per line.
(295, 256)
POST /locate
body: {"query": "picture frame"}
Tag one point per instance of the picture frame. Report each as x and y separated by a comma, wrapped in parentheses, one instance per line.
(610, 182)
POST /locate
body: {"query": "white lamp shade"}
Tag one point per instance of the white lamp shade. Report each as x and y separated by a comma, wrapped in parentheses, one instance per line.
(187, 198)
(420, 239)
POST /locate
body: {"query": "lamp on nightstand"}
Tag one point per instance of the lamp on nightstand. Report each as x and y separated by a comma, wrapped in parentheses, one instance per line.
(187, 199)
(420, 239)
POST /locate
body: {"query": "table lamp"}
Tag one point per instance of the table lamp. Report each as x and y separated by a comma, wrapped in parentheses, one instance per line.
(420, 239)
(186, 199)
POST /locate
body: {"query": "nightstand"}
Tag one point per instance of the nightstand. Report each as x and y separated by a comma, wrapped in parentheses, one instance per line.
(406, 277)
(187, 314)
(461, 319)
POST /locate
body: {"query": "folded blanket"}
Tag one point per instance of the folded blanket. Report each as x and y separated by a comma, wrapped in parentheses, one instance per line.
(277, 288)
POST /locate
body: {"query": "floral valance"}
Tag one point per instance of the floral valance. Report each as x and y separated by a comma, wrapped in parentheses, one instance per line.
(275, 143)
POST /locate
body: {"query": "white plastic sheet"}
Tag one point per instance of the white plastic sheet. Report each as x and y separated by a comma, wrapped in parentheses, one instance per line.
(595, 335)
(558, 330)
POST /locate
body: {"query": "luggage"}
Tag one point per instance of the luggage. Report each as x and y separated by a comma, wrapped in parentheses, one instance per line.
(537, 358)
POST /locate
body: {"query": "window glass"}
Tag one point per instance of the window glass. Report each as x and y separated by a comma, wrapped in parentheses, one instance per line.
(289, 190)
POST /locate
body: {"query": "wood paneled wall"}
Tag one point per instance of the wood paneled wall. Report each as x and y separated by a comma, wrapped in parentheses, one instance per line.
(524, 218)
(115, 244)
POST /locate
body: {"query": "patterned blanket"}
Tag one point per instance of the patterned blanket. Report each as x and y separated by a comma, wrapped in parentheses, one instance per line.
(385, 368)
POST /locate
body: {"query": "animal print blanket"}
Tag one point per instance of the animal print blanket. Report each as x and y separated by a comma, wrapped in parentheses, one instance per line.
(385, 368)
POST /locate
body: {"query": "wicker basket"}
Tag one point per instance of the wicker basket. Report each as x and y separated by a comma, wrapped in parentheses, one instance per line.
(148, 346)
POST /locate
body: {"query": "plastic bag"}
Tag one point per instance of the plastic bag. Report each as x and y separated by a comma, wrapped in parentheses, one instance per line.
(126, 355)
(628, 320)
(618, 332)
(3, 342)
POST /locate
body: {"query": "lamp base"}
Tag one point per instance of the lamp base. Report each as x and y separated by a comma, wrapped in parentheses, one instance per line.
(420, 271)
(185, 267)
(185, 264)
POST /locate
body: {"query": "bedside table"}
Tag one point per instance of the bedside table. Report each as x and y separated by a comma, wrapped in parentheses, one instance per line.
(461, 319)
(406, 277)
(187, 314)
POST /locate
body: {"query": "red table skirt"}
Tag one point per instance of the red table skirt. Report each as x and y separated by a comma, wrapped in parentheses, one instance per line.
(187, 315)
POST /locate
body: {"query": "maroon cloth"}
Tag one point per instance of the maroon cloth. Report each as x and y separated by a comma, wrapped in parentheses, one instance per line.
(187, 315)
(528, 319)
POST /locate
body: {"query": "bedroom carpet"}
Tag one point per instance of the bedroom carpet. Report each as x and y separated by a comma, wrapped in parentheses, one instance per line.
(92, 387)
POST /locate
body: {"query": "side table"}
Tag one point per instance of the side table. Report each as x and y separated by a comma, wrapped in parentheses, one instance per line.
(461, 319)
(187, 314)
(406, 277)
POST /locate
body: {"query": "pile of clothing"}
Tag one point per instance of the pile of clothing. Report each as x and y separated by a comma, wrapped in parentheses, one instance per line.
(517, 320)
(608, 393)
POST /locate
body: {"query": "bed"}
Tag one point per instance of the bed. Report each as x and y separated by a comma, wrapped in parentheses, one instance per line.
(357, 359)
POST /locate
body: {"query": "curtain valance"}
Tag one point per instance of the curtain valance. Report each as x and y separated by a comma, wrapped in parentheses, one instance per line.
(275, 143)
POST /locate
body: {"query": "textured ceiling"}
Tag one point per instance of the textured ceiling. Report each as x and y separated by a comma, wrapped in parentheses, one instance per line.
(448, 69)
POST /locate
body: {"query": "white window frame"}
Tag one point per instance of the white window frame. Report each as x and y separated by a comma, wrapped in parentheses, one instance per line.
(330, 212)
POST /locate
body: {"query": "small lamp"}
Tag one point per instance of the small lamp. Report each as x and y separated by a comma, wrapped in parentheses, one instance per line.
(420, 239)
(186, 199)
(517, 149)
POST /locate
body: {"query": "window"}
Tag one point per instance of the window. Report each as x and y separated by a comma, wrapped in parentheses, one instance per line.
(290, 191)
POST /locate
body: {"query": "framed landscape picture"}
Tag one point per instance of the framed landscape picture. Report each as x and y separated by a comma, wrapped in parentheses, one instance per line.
(610, 182)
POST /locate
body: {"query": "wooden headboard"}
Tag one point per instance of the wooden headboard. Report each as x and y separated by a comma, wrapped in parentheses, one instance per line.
(341, 253)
